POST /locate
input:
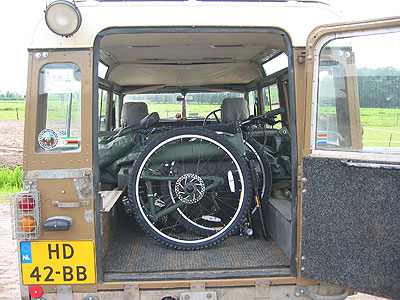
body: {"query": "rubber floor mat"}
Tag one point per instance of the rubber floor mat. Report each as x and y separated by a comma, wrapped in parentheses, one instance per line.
(131, 251)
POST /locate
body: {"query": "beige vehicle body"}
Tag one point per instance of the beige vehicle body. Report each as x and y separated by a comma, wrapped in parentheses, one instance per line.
(333, 224)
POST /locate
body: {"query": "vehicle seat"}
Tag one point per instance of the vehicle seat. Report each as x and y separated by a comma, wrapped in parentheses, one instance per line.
(234, 109)
(133, 112)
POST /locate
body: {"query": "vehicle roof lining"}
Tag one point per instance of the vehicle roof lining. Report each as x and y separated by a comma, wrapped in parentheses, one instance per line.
(188, 59)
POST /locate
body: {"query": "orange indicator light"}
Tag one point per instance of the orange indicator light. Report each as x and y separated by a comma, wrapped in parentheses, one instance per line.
(27, 224)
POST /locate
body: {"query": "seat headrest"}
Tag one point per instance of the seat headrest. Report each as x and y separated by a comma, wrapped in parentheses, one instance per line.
(133, 112)
(234, 109)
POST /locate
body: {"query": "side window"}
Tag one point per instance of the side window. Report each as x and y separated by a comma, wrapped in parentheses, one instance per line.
(271, 97)
(59, 108)
(116, 110)
(253, 102)
(276, 64)
(102, 109)
(358, 105)
(102, 70)
(271, 100)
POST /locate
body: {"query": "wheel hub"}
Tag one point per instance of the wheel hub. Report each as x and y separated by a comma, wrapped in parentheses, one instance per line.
(190, 188)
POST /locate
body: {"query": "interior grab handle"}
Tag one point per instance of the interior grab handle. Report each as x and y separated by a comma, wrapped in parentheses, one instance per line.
(349, 163)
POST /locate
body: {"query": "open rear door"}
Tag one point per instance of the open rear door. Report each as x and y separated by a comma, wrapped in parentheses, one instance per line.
(350, 232)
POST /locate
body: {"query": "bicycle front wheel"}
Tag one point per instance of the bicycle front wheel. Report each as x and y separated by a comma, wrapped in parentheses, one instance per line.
(190, 189)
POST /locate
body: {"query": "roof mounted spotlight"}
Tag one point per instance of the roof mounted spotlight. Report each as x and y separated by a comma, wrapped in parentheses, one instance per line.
(63, 17)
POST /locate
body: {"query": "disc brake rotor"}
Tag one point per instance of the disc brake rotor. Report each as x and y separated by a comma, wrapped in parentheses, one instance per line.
(190, 188)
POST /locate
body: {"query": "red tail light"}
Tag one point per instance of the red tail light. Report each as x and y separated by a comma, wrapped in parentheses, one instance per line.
(26, 203)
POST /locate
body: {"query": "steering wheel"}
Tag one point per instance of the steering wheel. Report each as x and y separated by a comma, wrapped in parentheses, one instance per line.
(214, 112)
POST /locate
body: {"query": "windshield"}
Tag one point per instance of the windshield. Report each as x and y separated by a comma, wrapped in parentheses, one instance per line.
(198, 105)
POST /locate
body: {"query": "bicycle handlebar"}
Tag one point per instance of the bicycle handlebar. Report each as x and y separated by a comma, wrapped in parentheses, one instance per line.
(267, 117)
(145, 123)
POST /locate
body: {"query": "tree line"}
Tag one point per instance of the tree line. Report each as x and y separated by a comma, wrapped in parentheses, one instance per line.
(11, 96)
(377, 88)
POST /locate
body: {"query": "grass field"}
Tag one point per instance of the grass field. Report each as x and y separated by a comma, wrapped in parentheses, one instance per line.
(10, 180)
(12, 110)
(381, 126)
(381, 136)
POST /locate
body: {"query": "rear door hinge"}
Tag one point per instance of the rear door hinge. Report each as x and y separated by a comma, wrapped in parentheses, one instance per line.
(131, 292)
(262, 289)
(198, 292)
(64, 292)
(197, 286)
(301, 57)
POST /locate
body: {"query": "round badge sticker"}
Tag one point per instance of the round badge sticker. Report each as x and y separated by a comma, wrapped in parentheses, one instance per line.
(48, 139)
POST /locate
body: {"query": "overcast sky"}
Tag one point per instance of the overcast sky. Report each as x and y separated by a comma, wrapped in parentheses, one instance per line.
(20, 16)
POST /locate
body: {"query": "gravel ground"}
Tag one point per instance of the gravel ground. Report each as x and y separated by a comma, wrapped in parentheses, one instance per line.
(11, 135)
(9, 273)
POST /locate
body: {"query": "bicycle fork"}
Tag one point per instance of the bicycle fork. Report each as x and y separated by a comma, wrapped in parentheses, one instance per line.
(256, 193)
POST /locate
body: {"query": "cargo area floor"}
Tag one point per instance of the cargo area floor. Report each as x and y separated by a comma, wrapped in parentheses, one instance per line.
(132, 255)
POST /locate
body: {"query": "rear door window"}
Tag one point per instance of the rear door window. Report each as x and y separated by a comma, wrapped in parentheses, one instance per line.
(359, 94)
(59, 108)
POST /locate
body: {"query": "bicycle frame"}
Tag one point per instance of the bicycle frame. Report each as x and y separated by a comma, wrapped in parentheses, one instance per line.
(216, 180)
(184, 152)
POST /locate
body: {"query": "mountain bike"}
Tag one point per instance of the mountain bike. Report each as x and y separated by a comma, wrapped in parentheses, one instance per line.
(191, 188)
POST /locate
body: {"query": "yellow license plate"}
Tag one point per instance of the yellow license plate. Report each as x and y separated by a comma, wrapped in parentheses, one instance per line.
(58, 262)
